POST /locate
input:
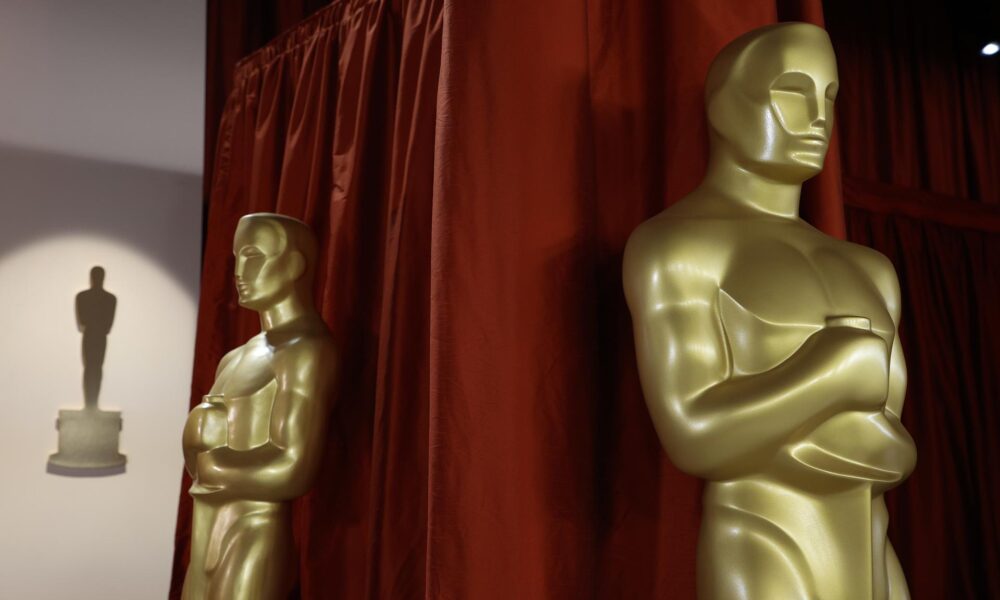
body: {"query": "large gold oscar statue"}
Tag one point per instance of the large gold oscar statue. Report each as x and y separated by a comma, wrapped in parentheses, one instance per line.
(767, 350)
(256, 441)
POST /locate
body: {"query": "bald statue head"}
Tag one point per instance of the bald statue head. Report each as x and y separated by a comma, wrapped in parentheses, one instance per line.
(97, 277)
(275, 258)
(769, 96)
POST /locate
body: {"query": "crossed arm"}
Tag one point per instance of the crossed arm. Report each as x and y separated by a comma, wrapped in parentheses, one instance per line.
(284, 467)
(716, 424)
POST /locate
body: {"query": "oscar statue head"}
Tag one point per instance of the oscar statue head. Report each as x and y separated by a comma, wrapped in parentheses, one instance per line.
(769, 96)
(275, 258)
(97, 277)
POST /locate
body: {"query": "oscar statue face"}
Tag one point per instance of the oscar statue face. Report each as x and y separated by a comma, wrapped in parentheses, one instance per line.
(770, 108)
(267, 267)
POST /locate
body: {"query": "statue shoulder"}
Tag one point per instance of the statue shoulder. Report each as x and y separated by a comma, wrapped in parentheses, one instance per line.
(668, 258)
(882, 274)
(310, 353)
(665, 237)
(232, 357)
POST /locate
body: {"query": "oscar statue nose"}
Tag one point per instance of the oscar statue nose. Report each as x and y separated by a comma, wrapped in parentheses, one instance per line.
(819, 114)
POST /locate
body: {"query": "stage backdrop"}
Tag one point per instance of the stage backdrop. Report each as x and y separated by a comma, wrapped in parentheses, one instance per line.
(919, 117)
(474, 170)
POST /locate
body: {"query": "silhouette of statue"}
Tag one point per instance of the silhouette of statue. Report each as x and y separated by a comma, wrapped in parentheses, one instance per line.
(88, 438)
(95, 312)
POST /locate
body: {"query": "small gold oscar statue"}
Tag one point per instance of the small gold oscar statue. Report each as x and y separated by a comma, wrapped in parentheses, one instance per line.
(256, 441)
(767, 350)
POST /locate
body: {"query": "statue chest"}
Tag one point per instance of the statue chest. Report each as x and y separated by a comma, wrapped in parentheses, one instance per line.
(248, 387)
(778, 292)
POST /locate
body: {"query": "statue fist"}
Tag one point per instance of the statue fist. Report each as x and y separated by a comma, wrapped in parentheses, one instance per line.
(860, 366)
(206, 427)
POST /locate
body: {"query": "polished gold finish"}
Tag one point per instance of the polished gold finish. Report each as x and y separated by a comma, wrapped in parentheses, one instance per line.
(767, 350)
(88, 438)
(256, 441)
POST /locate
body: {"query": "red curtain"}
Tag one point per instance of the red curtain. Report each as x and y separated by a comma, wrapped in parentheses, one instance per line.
(944, 523)
(918, 106)
(919, 115)
(235, 29)
(473, 170)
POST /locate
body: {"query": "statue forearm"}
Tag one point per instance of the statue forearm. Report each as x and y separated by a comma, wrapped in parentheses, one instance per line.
(206, 428)
(267, 473)
(756, 414)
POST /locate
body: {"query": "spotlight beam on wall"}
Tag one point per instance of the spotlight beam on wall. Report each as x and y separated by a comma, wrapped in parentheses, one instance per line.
(990, 49)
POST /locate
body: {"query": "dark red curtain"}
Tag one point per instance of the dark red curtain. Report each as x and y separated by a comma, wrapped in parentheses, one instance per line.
(473, 170)
(944, 520)
(919, 117)
(919, 106)
(234, 29)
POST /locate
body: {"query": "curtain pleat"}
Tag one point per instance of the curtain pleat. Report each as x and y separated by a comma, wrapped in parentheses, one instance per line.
(918, 103)
(944, 521)
(920, 124)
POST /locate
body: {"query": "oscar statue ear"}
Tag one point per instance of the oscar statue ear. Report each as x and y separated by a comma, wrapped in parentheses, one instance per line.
(296, 265)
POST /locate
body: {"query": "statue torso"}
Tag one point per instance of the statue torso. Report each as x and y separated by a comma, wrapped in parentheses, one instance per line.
(95, 309)
(778, 282)
(771, 283)
(248, 385)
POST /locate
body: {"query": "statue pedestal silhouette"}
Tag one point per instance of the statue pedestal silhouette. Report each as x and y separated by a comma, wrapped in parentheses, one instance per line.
(88, 443)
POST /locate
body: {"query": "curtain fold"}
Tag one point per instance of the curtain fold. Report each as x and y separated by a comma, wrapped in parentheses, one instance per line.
(919, 117)
(944, 523)
(918, 103)
(235, 29)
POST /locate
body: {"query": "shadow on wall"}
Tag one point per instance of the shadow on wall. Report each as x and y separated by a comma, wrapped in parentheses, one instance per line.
(63, 215)
(43, 193)
(48, 195)
(95, 313)
(88, 438)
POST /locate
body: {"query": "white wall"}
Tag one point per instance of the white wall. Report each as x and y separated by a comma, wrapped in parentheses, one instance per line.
(117, 80)
(100, 157)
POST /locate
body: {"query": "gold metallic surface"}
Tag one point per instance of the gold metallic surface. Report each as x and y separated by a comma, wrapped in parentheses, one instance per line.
(256, 441)
(767, 350)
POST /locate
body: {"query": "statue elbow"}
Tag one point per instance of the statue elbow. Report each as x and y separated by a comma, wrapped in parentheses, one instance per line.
(299, 476)
(695, 450)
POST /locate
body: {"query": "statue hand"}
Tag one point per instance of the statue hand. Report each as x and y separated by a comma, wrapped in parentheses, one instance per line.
(857, 362)
(202, 491)
(206, 427)
(208, 475)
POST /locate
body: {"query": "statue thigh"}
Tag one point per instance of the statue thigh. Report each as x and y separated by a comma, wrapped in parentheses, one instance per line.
(743, 556)
(256, 560)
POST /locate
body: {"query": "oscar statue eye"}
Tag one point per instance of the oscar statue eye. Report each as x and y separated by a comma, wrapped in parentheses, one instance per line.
(793, 82)
(793, 98)
(831, 92)
(799, 91)
(250, 252)
(792, 107)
